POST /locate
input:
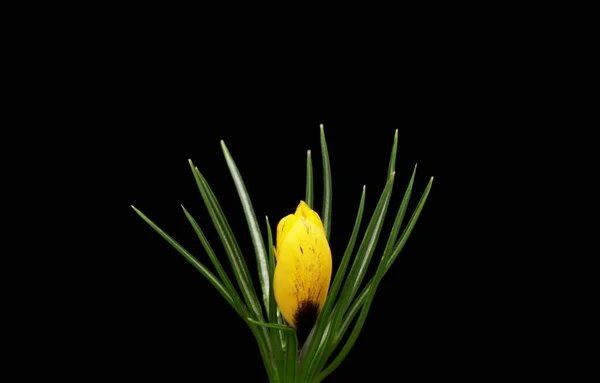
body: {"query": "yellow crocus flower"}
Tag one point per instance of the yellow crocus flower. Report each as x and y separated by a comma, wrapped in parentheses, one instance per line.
(303, 269)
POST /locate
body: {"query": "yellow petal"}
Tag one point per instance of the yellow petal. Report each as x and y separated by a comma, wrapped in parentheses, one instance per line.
(283, 228)
(286, 223)
(304, 211)
(303, 270)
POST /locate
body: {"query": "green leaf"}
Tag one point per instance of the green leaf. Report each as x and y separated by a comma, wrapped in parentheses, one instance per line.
(190, 258)
(367, 246)
(410, 226)
(361, 262)
(282, 327)
(327, 196)
(240, 269)
(272, 312)
(257, 329)
(341, 273)
(391, 242)
(240, 309)
(276, 335)
(291, 357)
(358, 326)
(211, 254)
(356, 305)
(283, 339)
(257, 240)
(392, 165)
(397, 249)
(324, 319)
(321, 351)
(229, 242)
(309, 181)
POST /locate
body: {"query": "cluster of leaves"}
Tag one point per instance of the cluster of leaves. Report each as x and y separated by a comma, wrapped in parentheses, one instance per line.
(277, 342)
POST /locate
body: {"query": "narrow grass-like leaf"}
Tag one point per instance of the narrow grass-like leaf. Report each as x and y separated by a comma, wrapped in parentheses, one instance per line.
(280, 321)
(411, 224)
(215, 261)
(363, 257)
(309, 181)
(361, 298)
(279, 318)
(323, 320)
(327, 193)
(335, 337)
(229, 242)
(276, 335)
(354, 308)
(240, 309)
(391, 242)
(321, 350)
(272, 312)
(233, 252)
(392, 165)
(190, 258)
(257, 328)
(358, 325)
(341, 273)
(257, 239)
(365, 251)
(276, 326)
(290, 363)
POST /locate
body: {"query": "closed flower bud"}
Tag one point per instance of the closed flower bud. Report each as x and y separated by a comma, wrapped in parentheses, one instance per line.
(303, 270)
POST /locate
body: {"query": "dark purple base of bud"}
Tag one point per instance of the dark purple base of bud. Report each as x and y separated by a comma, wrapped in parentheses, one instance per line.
(305, 318)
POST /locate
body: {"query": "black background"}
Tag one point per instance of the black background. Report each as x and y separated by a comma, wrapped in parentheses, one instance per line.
(148, 107)
(108, 109)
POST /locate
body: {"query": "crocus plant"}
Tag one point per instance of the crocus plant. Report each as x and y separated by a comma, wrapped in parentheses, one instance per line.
(301, 319)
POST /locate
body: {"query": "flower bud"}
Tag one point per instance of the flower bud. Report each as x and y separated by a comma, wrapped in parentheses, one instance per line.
(303, 269)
